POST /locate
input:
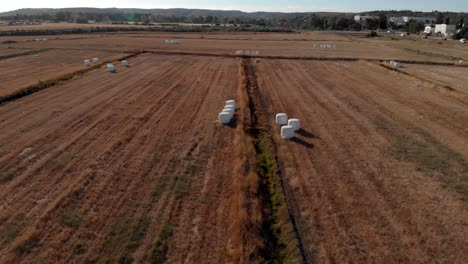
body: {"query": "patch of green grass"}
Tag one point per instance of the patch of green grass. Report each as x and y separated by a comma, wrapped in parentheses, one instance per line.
(120, 233)
(12, 230)
(6, 172)
(138, 233)
(124, 239)
(207, 148)
(206, 198)
(157, 254)
(274, 232)
(71, 219)
(161, 186)
(103, 260)
(182, 185)
(192, 167)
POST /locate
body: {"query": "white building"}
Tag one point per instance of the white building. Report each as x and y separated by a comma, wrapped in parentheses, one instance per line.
(359, 18)
(429, 30)
(445, 29)
(406, 19)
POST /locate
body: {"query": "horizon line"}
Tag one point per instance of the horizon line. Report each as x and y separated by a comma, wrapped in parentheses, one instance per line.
(244, 11)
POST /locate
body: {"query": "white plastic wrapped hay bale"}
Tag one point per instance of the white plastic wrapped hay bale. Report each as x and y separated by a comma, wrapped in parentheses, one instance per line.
(231, 102)
(281, 119)
(287, 132)
(95, 60)
(224, 117)
(125, 63)
(110, 67)
(392, 63)
(295, 123)
(86, 62)
(230, 107)
(230, 111)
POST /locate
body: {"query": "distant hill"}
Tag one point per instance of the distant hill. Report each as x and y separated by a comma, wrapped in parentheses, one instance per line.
(177, 12)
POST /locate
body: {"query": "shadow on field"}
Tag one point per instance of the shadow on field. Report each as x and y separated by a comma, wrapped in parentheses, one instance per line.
(307, 134)
(233, 123)
(303, 143)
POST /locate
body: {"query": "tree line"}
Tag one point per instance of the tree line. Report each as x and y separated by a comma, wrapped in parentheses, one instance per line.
(304, 21)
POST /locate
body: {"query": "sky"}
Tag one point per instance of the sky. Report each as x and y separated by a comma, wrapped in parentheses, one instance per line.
(250, 6)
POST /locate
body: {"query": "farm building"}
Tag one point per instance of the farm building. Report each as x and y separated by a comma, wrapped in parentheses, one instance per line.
(445, 29)
(429, 29)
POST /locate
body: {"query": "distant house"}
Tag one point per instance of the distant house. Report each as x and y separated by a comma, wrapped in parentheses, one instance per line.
(429, 29)
(406, 19)
(445, 29)
(359, 18)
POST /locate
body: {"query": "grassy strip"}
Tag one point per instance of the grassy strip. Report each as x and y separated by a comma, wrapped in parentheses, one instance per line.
(412, 144)
(431, 54)
(282, 243)
(125, 238)
(158, 253)
(308, 58)
(12, 230)
(30, 52)
(47, 84)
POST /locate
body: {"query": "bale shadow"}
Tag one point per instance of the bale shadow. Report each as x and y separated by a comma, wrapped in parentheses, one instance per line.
(307, 134)
(303, 143)
(233, 123)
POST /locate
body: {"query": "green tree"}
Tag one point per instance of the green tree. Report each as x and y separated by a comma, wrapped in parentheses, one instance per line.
(439, 18)
(331, 22)
(383, 21)
(415, 27)
(447, 20)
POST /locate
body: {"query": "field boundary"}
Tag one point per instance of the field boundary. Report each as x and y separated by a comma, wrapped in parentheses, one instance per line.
(444, 89)
(56, 81)
(283, 243)
(241, 39)
(29, 52)
(310, 58)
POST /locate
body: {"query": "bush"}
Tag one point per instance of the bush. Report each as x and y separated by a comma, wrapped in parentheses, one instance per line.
(71, 219)
(372, 34)
(462, 34)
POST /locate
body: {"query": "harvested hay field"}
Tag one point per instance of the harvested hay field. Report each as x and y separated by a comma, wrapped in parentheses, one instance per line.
(21, 72)
(9, 51)
(380, 159)
(134, 167)
(112, 161)
(348, 49)
(452, 77)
